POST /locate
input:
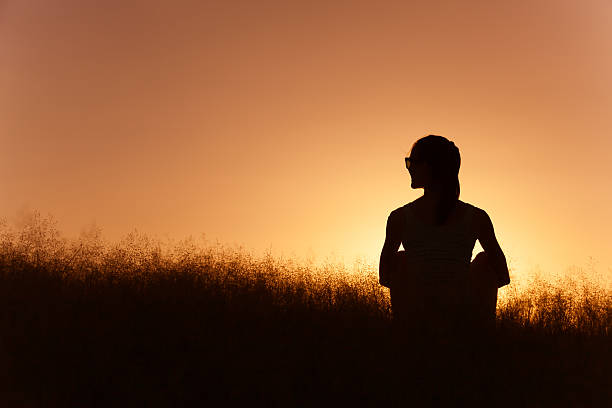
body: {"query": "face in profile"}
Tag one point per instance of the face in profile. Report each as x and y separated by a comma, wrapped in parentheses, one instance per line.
(420, 171)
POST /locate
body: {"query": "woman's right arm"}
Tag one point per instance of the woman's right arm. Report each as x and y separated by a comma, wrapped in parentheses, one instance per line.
(393, 240)
(495, 256)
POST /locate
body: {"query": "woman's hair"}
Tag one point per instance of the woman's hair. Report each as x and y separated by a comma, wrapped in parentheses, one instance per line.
(444, 158)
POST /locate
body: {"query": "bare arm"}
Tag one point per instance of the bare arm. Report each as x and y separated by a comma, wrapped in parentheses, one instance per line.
(495, 256)
(390, 247)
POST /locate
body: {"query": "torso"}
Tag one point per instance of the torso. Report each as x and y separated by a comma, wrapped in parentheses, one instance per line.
(439, 249)
(434, 270)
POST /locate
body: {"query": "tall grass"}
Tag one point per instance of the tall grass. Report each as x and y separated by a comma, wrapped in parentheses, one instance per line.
(89, 323)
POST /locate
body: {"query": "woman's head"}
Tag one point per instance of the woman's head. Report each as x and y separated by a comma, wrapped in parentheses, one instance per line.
(434, 163)
(434, 160)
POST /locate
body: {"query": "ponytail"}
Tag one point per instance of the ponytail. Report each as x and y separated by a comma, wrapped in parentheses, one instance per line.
(448, 199)
(445, 160)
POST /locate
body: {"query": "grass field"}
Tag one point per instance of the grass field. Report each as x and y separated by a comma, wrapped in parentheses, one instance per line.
(135, 323)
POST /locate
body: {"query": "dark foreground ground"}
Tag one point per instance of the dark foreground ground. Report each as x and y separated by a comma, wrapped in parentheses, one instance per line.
(174, 343)
(86, 326)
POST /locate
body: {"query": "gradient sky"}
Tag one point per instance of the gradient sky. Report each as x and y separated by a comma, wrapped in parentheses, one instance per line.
(283, 126)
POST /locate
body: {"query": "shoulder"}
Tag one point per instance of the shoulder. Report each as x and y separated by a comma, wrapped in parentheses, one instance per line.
(478, 212)
(400, 211)
(397, 216)
(480, 218)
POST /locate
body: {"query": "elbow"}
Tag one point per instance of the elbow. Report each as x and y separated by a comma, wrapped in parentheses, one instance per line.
(385, 270)
(495, 262)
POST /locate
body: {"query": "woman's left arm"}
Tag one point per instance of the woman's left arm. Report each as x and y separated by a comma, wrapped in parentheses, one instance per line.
(495, 255)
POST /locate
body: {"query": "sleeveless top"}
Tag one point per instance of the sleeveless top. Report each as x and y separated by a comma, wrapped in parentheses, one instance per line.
(439, 254)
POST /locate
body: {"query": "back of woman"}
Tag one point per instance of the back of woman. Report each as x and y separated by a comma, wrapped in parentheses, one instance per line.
(431, 281)
(434, 286)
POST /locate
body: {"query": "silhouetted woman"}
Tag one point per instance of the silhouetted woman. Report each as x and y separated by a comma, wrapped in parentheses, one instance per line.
(435, 289)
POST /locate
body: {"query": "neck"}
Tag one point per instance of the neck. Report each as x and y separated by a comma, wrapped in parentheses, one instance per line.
(432, 194)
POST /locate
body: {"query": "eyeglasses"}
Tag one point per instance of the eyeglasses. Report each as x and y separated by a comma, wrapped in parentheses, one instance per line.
(412, 160)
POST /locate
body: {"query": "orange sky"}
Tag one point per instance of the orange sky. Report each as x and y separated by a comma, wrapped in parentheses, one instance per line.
(285, 126)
